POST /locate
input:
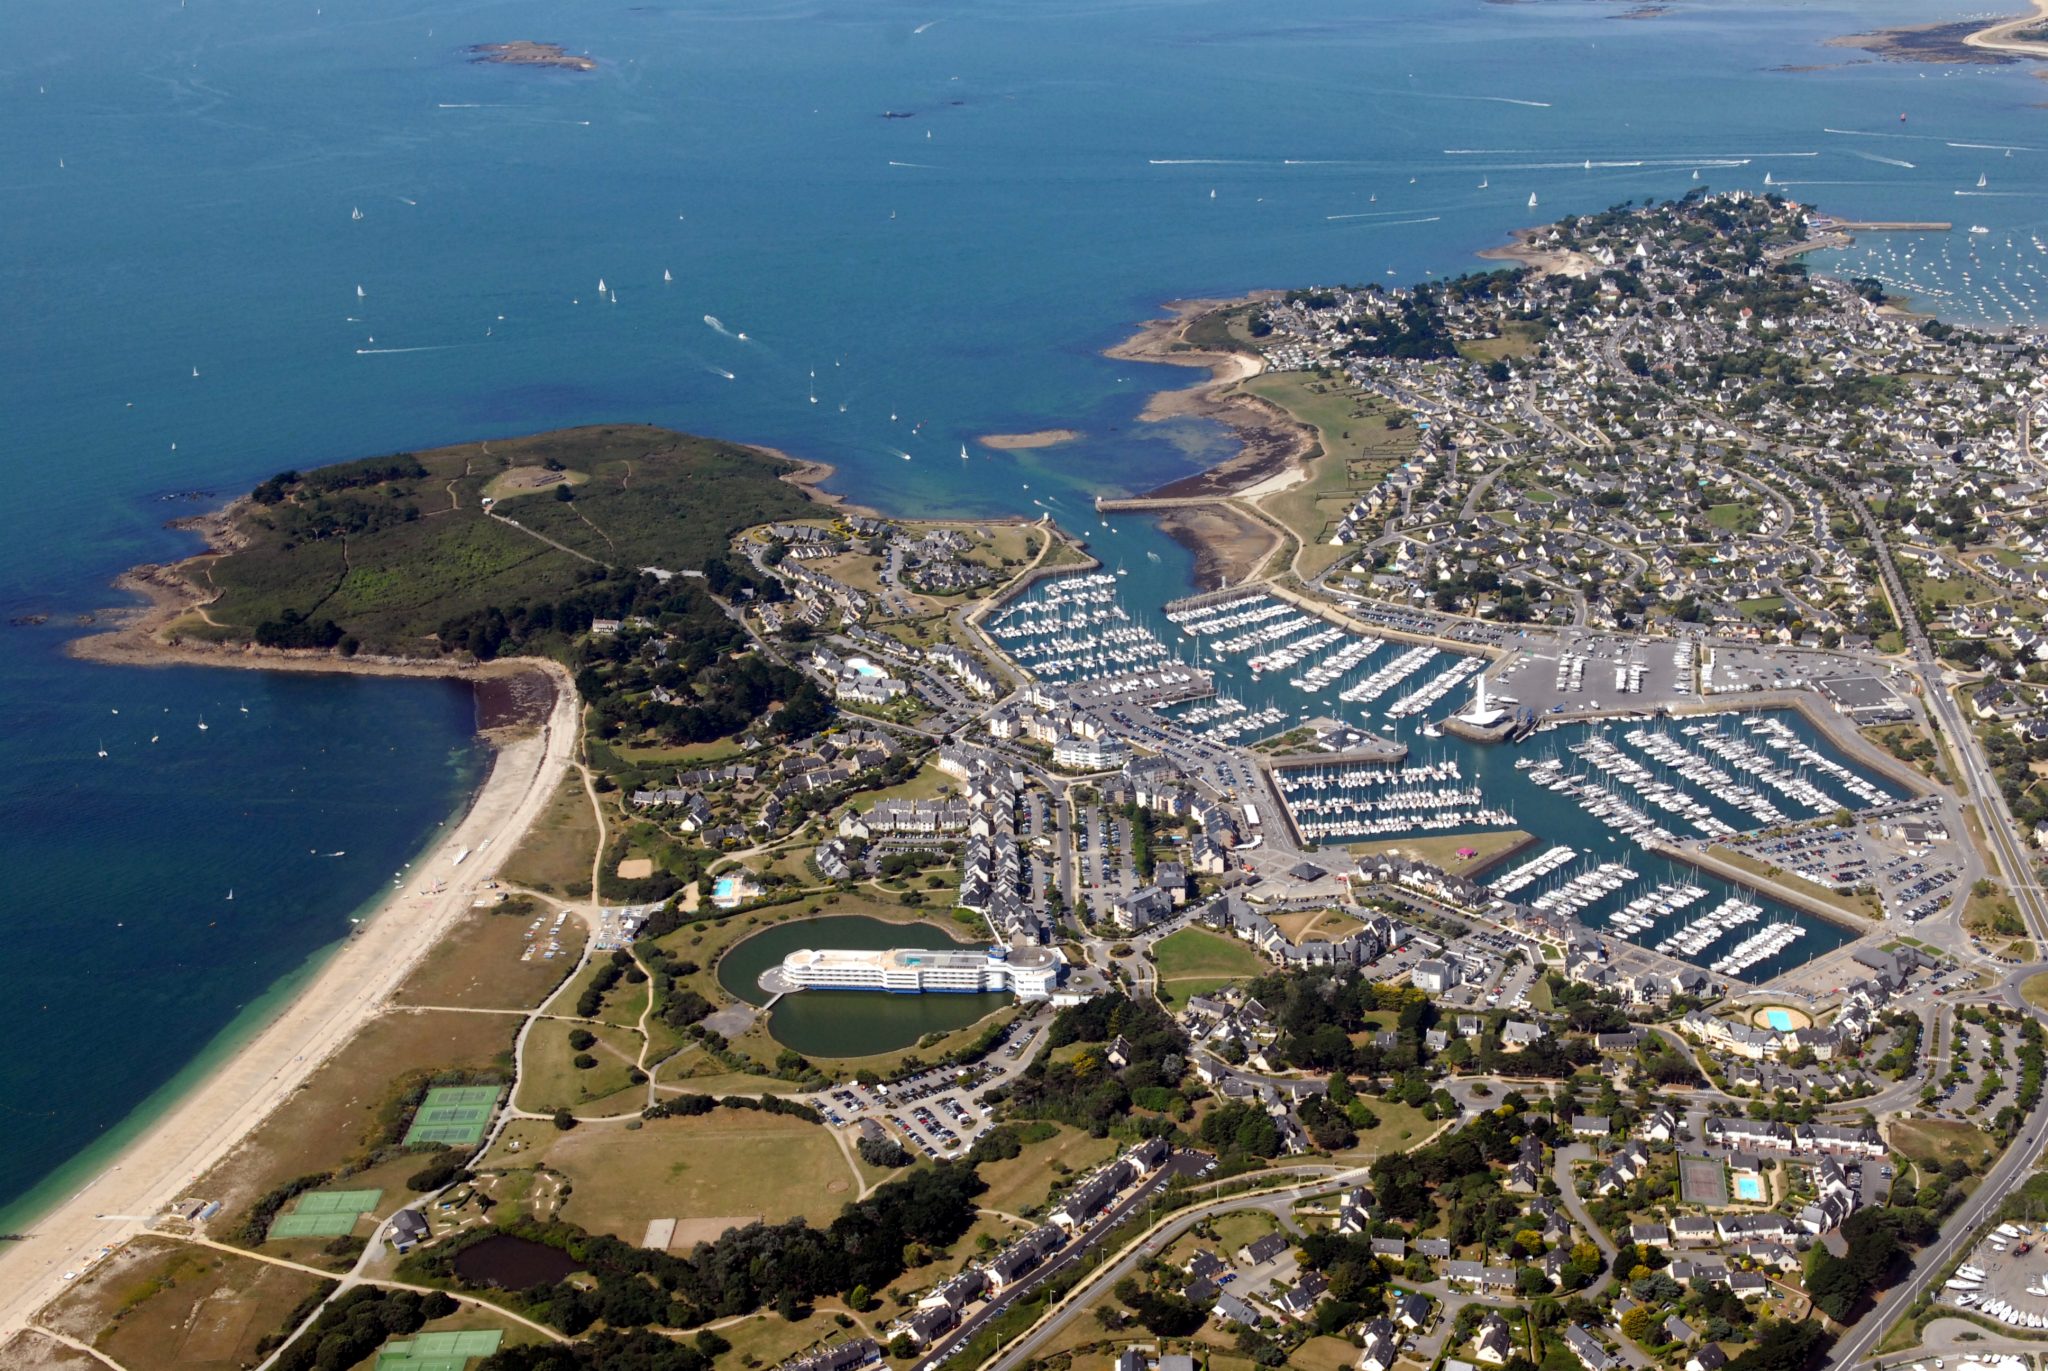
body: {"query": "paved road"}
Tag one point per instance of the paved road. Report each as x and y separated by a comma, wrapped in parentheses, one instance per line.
(1862, 1339)
(1082, 1295)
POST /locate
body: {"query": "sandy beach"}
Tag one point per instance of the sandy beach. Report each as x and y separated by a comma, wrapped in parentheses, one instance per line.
(200, 1129)
(1522, 251)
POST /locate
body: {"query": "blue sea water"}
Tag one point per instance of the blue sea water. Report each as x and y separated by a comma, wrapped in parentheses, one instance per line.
(179, 181)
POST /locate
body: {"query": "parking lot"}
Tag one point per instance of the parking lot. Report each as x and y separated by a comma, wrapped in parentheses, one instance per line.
(934, 1112)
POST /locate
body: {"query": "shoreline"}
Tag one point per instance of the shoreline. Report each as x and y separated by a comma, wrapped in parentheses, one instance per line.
(1964, 41)
(257, 1062)
(349, 987)
(810, 477)
(1274, 450)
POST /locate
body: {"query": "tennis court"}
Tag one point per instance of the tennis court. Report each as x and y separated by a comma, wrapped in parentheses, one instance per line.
(324, 1214)
(454, 1114)
(1702, 1181)
(312, 1226)
(439, 1351)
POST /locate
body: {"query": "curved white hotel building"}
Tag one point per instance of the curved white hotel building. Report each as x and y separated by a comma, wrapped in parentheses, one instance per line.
(1029, 973)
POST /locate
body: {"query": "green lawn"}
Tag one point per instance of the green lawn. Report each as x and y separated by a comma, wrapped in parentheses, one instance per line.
(1358, 447)
(1733, 518)
(1195, 961)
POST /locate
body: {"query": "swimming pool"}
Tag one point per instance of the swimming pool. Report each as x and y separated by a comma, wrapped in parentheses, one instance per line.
(721, 889)
(1778, 1019)
(1749, 1188)
(861, 666)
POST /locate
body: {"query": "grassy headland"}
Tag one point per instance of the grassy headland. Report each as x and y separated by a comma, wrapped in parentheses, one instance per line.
(384, 554)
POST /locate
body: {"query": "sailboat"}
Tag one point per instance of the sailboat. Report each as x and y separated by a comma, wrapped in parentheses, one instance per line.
(195, 373)
(231, 892)
(1482, 183)
(103, 747)
(359, 292)
(963, 452)
(665, 276)
(355, 213)
(1767, 178)
(1119, 571)
(202, 723)
(1532, 199)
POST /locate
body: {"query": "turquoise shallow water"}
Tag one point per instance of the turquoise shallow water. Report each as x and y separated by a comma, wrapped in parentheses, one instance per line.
(179, 181)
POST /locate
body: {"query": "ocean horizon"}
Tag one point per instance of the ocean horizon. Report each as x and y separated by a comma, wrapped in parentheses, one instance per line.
(198, 305)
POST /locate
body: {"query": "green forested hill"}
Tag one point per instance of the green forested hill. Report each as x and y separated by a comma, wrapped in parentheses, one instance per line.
(384, 551)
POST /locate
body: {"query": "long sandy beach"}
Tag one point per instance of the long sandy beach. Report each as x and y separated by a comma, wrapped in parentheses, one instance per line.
(162, 1163)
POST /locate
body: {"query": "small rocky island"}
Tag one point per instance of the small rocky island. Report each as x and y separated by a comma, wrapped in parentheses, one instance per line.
(529, 54)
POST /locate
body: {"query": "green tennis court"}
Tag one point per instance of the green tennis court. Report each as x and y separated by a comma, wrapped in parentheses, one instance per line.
(453, 1114)
(324, 1214)
(312, 1226)
(439, 1351)
(337, 1201)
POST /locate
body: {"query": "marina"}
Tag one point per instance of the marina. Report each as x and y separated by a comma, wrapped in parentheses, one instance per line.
(1584, 789)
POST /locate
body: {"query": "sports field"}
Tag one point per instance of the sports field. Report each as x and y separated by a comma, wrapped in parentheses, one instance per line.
(1702, 1181)
(324, 1214)
(449, 1351)
(453, 1114)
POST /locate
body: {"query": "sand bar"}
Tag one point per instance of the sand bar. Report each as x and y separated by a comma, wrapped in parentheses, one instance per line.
(1019, 442)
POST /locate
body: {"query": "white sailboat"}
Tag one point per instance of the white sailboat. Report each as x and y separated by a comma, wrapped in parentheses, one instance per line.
(1482, 183)
(665, 276)
(356, 213)
(963, 452)
(1981, 182)
(202, 723)
(359, 292)
(1532, 199)
(103, 747)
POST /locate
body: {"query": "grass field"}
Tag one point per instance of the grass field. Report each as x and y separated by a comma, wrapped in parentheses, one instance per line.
(1327, 924)
(157, 1303)
(549, 1079)
(1195, 961)
(1358, 448)
(335, 1116)
(1734, 518)
(478, 966)
(730, 1163)
(2035, 990)
(1401, 1127)
(652, 498)
(554, 857)
(1442, 851)
(1025, 1180)
(1929, 1141)
(1239, 1229)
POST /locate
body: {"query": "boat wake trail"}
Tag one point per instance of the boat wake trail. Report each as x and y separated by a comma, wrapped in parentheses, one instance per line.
(712, 321)
(437, 347)
(1389, 223)
(720, 371)
(921, 166)
(1888, 161)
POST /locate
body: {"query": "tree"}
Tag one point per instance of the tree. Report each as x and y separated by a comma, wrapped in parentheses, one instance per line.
(902, 1348)
(565, 492)
(564, 1120)
(1640, 1324)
